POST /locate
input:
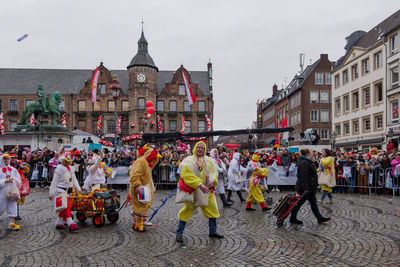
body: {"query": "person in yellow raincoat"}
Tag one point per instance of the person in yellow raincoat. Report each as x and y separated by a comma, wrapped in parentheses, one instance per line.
(326, 174)
(256, 173)
(198, 172)
(139, 176)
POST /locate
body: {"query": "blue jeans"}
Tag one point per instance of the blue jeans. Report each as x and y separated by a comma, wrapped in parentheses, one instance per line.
(310, 196)
(324, 193)
(212, 222)
(352, 183)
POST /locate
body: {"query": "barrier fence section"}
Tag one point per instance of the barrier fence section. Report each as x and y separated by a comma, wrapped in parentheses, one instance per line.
(351, 180)
(363, 180)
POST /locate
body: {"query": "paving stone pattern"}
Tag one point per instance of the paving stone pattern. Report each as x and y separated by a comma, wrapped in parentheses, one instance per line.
(364, 231)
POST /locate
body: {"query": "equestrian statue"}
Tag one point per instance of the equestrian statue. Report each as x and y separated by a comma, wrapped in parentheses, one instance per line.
(46, 105)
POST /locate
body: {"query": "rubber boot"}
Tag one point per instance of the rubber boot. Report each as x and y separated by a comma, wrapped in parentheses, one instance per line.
(226, 204)
(230, 196)
(248, 207)
(264, 207)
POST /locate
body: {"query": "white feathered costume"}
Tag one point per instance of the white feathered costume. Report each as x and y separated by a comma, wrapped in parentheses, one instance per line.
(9, 205)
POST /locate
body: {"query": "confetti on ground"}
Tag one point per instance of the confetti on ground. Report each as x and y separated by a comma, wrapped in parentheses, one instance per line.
(184, 247)
(282, 251)
(212, 254)
(324, 240)
(271, 240)
(245, 222)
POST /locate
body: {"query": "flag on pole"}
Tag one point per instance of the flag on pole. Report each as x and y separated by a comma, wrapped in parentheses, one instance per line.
(190, 95)
(93, 84)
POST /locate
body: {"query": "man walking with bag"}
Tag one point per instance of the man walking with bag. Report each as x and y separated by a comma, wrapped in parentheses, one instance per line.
(198, 172)
(306, 186)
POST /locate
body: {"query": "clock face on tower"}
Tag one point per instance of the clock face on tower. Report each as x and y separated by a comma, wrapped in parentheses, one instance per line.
(141, 77)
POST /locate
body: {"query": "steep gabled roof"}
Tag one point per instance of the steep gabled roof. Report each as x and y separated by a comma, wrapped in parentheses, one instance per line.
(298, 80)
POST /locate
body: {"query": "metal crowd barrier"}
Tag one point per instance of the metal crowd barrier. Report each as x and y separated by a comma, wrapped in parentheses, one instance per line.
(377, 180)
(165, 176)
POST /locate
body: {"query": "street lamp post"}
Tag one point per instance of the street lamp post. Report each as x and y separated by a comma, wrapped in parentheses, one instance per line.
(115, 91)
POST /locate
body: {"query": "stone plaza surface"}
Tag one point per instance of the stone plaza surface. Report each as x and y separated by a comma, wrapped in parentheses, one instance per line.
(364, 231)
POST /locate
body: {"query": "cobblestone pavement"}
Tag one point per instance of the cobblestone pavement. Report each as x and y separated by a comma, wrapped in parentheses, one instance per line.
(364, 231)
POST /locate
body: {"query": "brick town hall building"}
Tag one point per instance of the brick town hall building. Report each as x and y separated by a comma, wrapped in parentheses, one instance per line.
(142, 81)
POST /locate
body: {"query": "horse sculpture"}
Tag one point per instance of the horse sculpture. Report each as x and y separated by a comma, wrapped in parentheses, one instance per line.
(44, 106)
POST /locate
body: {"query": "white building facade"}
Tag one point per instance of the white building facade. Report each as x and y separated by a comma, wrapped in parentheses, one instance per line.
(360, 89)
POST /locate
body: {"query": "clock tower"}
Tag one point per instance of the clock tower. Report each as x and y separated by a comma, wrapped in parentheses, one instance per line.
(142, 86)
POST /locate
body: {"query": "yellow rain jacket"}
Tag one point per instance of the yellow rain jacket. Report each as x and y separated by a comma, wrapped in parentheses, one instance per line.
(255, 193)
(194, 175)
(328, 166)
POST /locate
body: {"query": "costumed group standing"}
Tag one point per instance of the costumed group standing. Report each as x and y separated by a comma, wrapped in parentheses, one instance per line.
(201, 178)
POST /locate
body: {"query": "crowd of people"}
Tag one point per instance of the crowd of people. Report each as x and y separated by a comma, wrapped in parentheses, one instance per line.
(215, 172)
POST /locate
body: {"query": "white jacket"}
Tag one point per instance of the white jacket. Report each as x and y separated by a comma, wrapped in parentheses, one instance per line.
(7, 204)
(63, 179)
(96, 175)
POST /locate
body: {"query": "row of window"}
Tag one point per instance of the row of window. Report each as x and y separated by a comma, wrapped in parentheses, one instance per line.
(201, 106)
(355, 99)
(355, 125)
(269, 114)
(365, 67)
(319, 78)
(110, 126)
(142, 105)
(13, 104)
(319, 96)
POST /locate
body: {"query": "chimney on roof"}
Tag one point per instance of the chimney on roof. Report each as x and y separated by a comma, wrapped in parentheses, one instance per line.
(274, 89)
(324, 56)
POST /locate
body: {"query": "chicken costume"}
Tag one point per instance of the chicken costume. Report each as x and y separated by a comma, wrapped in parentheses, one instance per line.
(140, 175)
(64, 178)
(196, 171)
(256, 173)
(6, 204)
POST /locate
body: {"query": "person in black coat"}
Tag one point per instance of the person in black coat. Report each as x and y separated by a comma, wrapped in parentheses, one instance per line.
(306, 186)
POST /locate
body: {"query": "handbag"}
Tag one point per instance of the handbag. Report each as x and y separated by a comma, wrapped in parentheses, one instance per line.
(183, 197)
(24, 187)
(60, 202)
(12, 191)
(370, 177)
(324, 178)
(184, 194)
(389, 181)
(44, 172)
(200, 198)
(35, 174)
(144, 195)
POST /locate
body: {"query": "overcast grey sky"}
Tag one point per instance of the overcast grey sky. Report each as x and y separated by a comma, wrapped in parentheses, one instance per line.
(252, 44)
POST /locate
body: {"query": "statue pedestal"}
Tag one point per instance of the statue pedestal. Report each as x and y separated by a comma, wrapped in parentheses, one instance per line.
(37, 137)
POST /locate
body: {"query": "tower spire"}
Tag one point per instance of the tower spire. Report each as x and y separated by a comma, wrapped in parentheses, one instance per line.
(142, 25)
